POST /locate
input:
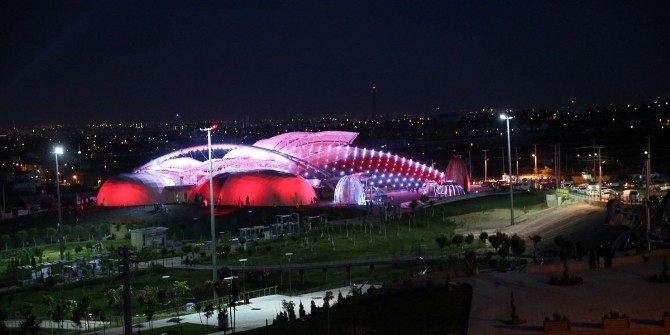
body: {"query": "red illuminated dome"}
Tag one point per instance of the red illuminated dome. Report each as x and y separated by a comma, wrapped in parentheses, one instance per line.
(259, 188)
(134, 189)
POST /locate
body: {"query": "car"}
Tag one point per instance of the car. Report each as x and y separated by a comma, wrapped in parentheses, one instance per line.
(521, 186)
(630, 195)
(606, 191)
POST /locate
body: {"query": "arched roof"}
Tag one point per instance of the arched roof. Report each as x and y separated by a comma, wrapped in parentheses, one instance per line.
(324, 156)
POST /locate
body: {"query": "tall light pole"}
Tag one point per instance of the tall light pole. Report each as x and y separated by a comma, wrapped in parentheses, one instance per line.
(516, 153)
(647, 181)
(288, 255)
(535, 155)
(486, 177)
(244, 275)
(509, 162)
(211, 202)
(61, 242)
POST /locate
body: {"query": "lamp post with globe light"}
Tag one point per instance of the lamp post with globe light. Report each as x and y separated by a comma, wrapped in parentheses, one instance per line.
(59, 151)
(509, 162)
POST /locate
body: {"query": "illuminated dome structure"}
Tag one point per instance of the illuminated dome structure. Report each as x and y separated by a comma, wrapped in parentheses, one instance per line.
(349, 190)
(258, 188)
(277, 171)
(449, 188)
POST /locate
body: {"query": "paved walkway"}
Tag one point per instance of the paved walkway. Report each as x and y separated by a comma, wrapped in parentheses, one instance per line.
(625, 288)
(258, 313)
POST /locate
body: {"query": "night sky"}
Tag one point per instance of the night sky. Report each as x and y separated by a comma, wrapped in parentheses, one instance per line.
(132, 61)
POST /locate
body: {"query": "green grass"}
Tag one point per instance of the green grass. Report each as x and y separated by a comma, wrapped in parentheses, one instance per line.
(412, 235)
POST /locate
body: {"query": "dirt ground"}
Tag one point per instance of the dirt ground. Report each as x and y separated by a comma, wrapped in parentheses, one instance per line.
(579, 221)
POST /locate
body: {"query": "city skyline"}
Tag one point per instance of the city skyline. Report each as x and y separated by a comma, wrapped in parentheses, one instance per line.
(69, 62)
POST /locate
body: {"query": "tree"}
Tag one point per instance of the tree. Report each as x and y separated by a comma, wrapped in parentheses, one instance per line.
(149, 300)
(187, 248)
(208, 311)
(182, 227)
(5, 238)
(56, 310)
(179, 289)
(38, 252)
(301, 312)
(32, 232)
(92, 231)
(30, 324)
(104, 229)
(441, 241)
(326, 305)
(457, 240)
(66, 230)
(483, 236)
(565, 246)
(77, 230)
(115, 299)
(50, 232)
(289, 309)
(22, 235)
(536, 240)
(517, 245)
(3, 317)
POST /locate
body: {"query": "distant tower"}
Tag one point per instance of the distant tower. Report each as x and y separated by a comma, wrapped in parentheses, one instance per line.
(374, 101)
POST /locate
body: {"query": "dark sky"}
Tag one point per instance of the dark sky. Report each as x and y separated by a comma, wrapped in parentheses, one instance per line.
(99, 61)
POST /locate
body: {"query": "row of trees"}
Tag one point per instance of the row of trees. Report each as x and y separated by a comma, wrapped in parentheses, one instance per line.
(77, 232)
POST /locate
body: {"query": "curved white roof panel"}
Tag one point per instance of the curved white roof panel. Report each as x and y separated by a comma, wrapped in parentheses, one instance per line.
(325, 156)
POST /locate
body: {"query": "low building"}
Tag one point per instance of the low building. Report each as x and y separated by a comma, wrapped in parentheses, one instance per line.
(153, 237)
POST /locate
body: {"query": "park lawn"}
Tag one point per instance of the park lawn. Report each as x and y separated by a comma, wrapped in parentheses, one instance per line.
(413, 235)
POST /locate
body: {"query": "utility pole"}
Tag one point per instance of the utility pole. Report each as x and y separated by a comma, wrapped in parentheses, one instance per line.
(648, 190)
(486, 177)
(503, 163)
(535, 153)
(559, 175)
(516, 152)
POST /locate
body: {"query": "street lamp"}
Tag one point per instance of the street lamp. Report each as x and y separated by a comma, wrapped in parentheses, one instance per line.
(59, 151)
(509, 162)
(231, 302)
(535, 168)
(211, 202)
(535, 155)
